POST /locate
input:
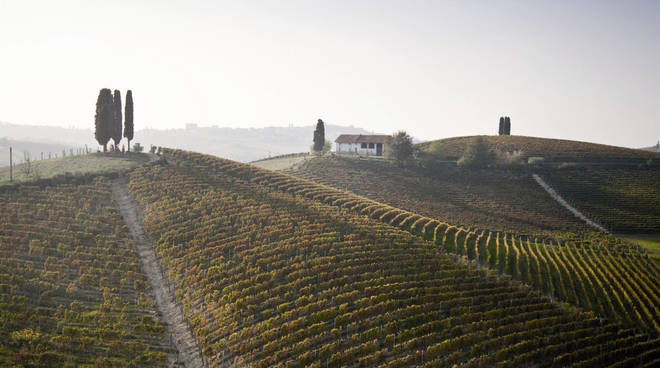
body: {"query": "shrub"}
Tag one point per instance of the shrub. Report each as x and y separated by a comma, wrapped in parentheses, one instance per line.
(400, 147)
(535, 160)
(511, 159)
(477, 154)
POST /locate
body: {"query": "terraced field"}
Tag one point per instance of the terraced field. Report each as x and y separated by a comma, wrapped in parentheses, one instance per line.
(492, 199)
(624, 201)
(71, 289)
(280, 271)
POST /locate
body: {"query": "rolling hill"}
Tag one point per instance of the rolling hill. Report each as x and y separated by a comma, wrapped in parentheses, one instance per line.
(269, 269)
(496, 199)
(275, 270)
(551, 149)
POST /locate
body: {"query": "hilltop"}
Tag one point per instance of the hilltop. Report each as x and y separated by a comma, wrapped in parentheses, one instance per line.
(84, 164)
(550, 149)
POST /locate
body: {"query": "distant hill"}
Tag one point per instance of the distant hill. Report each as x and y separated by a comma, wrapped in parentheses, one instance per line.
(240, 144)
(655, 148)
(35, 150)
(243, 144)
(550, 149)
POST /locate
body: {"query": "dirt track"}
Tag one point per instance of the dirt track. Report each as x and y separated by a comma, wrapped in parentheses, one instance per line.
(563, 202)
(182, 338)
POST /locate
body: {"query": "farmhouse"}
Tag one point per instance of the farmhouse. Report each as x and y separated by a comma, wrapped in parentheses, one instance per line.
(358, 144)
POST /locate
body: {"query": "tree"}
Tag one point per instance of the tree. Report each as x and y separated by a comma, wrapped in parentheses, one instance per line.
(501, 131)
(507, 125)
(104, 118)
(128, 118)
(477, 154)
(319, 136)
(327, 146)
(116, 126)
(400, 147)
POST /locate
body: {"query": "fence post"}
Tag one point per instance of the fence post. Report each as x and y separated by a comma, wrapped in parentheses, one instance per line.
(11, 165)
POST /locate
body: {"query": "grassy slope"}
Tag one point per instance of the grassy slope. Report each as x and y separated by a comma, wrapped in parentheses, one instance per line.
(279, 163)
(553, 149)
(649, 241)
(93, 163)
(487, 199)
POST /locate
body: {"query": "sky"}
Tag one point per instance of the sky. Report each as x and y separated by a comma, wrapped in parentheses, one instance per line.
(582, 70)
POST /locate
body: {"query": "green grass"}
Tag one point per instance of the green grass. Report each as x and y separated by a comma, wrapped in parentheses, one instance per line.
(281, 163)
(93, 163)
(649, 241)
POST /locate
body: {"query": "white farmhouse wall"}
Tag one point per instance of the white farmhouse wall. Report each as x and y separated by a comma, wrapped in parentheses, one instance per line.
(347, 148)
(355, 148)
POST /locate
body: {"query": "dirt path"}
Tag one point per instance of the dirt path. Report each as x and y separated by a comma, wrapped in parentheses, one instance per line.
(181, 336)
(563, 202)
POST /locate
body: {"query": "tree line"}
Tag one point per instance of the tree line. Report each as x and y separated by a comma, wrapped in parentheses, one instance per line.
(108, 118)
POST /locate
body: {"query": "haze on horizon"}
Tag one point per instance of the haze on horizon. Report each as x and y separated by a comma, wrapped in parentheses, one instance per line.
(582, 70)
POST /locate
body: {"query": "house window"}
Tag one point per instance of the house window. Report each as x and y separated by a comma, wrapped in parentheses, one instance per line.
(371, 145)
(364, 145)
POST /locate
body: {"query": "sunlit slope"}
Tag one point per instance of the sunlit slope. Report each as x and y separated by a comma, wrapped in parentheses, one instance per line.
(272, 274)
(495, 199)
(71, 289)
(550, 149)
(609, 277)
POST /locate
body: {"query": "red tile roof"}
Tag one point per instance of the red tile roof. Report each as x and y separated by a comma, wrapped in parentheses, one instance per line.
(359, 138)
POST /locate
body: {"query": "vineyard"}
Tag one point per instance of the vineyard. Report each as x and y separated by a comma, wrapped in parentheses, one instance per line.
(550, 149)
(274, 270)
(489, 199)
(71, 289)
(624, 201)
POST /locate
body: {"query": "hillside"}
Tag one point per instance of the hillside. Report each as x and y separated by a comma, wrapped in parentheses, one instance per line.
(71, 289)
(495, 199)
(275, 270)
(550, 149)
(94, 163)
(623, 200)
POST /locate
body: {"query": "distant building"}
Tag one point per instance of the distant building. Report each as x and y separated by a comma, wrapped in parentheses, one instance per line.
(358, 144)
(191, 126)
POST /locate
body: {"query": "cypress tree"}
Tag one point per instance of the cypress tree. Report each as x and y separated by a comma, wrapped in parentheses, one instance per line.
(128, 118)
(319, 136)
(507, 125)
(104, 118)
(116, 126)
(501, 131)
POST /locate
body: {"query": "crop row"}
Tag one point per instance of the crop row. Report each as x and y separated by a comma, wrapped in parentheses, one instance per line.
(269, 278)
(71, 290)
(490, 199)
(614, 281)
(624, 201)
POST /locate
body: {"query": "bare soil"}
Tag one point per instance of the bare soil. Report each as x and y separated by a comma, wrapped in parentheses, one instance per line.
(189, 353)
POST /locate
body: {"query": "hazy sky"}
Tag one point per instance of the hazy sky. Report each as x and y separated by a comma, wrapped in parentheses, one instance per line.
(585, 70)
